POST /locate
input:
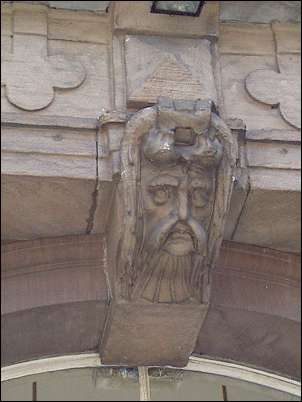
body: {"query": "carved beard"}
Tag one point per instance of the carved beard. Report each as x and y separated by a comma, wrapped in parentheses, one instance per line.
(160, 277)
(166, 278)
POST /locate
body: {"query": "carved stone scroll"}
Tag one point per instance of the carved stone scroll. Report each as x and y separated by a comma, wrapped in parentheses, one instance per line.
(177, 162)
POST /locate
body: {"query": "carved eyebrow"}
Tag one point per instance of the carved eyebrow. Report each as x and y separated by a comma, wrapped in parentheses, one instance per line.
(164, 180)
(198, 183)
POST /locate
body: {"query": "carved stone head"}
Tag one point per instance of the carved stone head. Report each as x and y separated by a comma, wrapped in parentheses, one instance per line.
(177, 160)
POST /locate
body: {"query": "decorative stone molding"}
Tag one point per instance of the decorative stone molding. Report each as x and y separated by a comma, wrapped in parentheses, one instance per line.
(177, 161)
(177, 68)
(55, 316)
(177, 164)
(29, 75)
(277, 89)
(281, 88)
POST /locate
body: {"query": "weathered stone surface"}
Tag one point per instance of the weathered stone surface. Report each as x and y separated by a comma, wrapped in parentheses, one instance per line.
(275, 179)
(29, 74)
(267, 342)
(169, 331)
(288, 136)
(48, 141)
(281, 89)
(34, 207)
(60, 270)
(238, 199)
(268, 281)
(49, 152)
(264, 331)
(278, 85)
(78, 27)
(177, 160)
(260, 11)
(6, 44)
(62, 175)
(65, 50)
(278, 89)
(288, 37)
(240, 38)
(80, 5)
(273, 155)
(238, 103)
(272, 148)
(51, 331)
(6, 24)
(256, 305)
(89, 99)
(176, 68)
(62, 295)
(29, 22)
(271, 219)
(47, 165)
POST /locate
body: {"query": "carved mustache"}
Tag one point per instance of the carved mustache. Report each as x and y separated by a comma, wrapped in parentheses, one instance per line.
(159, 235)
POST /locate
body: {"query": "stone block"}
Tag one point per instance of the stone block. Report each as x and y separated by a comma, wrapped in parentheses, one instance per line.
(78, 28)
(39, 70)
(288, 37)
(271, 219)
(33, 207)
(273, 155)
(170, 331)
(28, 22)
(260, 11)
(238, 103)
(6, 24)
(170, 67)
(242, 38)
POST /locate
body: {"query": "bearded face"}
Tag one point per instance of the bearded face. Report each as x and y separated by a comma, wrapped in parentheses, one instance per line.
(177, 202)
(177, 163)
(177, 206)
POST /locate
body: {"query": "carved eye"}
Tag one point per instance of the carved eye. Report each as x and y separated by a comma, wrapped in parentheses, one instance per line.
(160, 194)
(200, 197)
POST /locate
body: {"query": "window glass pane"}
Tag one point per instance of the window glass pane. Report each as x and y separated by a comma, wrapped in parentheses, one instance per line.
(88, 384)
(180, 6)
(121, 384)
(179, 385)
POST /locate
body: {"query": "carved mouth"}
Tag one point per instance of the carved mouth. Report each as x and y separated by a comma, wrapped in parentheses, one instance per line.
(181, 233)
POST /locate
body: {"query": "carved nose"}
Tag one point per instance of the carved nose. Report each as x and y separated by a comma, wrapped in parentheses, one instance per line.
(183, 206)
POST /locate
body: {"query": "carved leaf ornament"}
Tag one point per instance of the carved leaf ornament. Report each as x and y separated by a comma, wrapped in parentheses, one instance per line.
(30, 83)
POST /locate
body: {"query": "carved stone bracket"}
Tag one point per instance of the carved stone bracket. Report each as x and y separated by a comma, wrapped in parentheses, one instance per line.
(177, 162)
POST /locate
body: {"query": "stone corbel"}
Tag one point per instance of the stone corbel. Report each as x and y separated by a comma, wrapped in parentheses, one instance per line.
(177, 165)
